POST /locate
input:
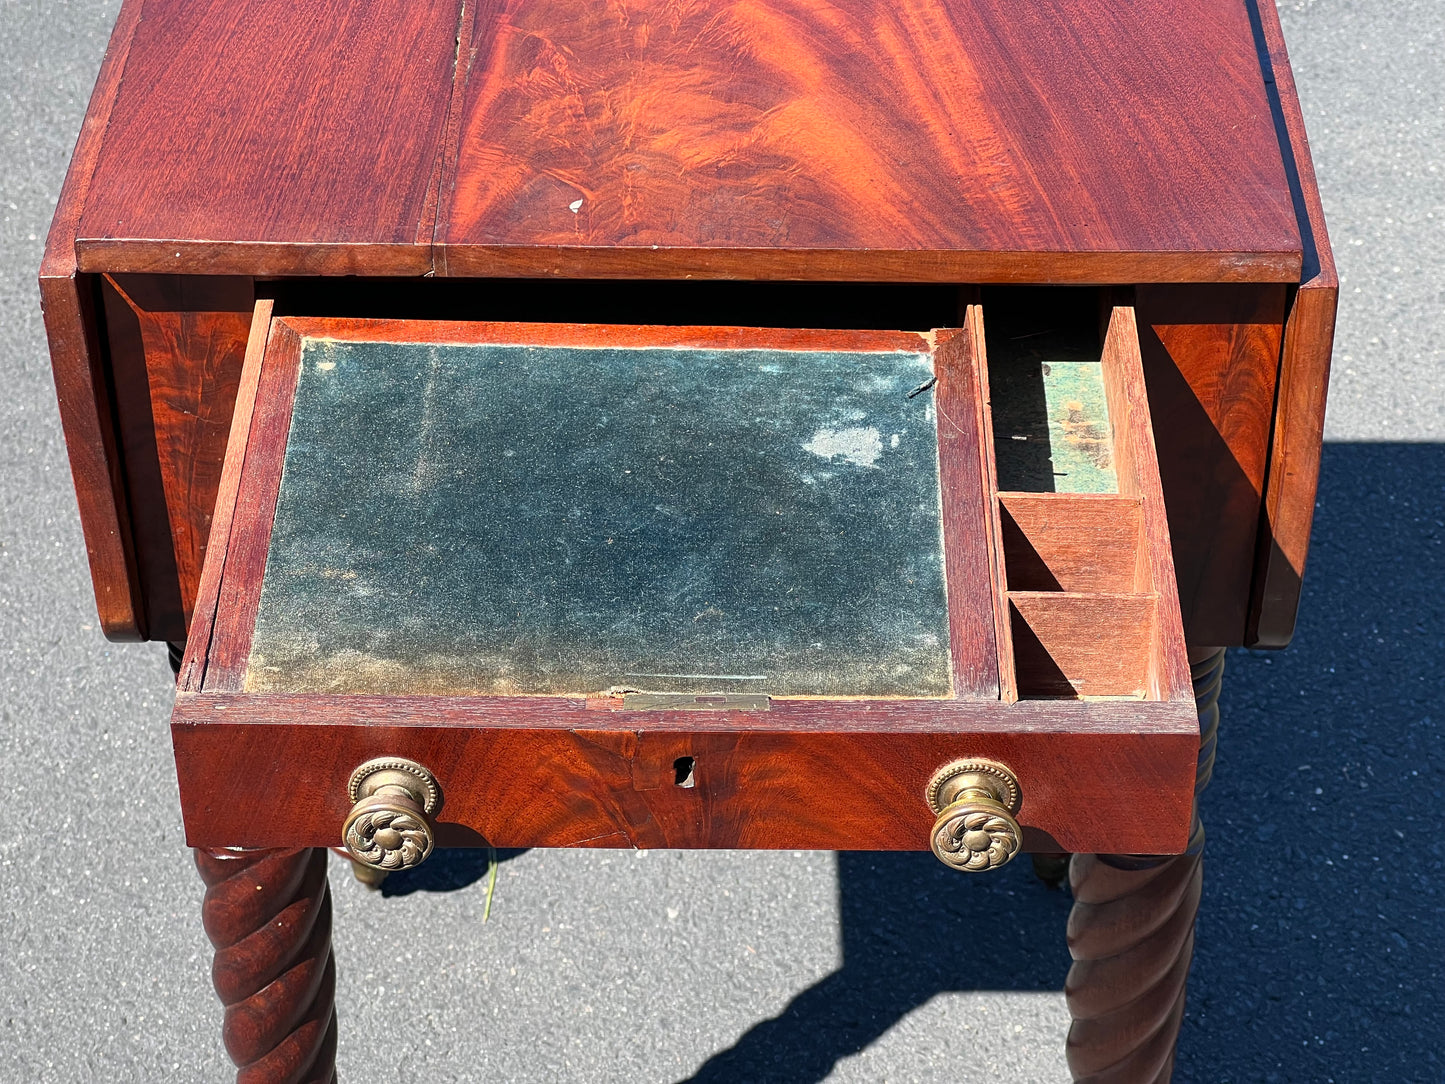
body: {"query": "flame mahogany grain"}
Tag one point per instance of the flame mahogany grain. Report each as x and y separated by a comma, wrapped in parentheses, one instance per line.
(1217, 187)
(755, 133)
(176, 344)
(848, 139)
(550, 775)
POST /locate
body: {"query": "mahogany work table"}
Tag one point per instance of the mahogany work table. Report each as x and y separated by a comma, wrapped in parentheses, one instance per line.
(792, 424)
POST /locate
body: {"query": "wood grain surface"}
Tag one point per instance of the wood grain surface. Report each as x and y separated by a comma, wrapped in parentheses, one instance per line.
(316, 126)
(1304, 379)
(76, 356)
(1072, 542)
(754, 138)
(772, 138)
(1138, 466)
(175, 344)
(1211, 354)
(198, 641)
(1082, 643)
(536, 771)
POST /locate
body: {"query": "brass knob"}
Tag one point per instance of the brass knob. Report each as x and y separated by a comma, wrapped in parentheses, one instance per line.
(388, 826)
(975, 801)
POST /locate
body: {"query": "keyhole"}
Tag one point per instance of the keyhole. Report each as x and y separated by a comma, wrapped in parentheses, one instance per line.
(682, 771)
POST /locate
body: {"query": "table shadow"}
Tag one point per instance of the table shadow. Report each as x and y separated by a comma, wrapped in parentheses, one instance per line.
(911, 929)
(1322, 930)
(445, 871)
(1321, 936)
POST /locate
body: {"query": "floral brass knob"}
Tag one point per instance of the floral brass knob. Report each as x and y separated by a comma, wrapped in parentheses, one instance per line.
(388, 826)
(975, 801)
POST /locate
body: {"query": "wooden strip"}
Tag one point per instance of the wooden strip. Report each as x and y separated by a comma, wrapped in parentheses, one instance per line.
(1083, 644)
(260, 259)
(1289, 503)
(1072, 542)
(348, 329)
(198, 642)
(792, 714)
(1059, 267)
(744, 139)
(516, 786)
(86, 413)
(988, 465)
(971, 607)
(1137, 459)
(259, 480)
(1293, 478)
(265, 259)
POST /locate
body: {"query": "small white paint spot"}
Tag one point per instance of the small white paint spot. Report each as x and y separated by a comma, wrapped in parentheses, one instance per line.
(325, 366)
(856, 444)
(575, 206)
(893, 441)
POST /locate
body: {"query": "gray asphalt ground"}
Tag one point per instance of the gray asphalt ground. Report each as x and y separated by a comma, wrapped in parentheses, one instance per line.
(1322, 937)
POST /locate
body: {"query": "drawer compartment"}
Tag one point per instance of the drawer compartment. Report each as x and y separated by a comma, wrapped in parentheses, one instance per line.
(552, 563)
(1086, 566)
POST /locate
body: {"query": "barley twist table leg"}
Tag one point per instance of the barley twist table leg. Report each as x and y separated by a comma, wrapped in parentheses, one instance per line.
(268, 913)
(1131, 934)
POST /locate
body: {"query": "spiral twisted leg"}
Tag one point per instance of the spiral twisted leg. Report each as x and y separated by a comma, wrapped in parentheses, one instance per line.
(1131, 934)
(268, 913)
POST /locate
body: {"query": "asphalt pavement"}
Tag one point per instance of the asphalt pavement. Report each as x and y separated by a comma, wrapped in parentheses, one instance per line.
(1322, 933)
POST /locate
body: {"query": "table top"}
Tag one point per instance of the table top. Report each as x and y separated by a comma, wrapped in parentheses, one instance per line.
(842, 139)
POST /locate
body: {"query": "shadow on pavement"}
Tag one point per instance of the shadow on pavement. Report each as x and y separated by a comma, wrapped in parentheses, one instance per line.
(1322, 933)
(445, 871)
(1321, 938)
(911, 929)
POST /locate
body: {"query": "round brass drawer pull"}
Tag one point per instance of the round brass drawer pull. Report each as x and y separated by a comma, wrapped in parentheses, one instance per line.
(389, 826)
(975, 801)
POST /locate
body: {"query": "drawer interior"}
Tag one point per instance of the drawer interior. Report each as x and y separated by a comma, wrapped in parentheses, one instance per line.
(552, 562)
(1076, 494)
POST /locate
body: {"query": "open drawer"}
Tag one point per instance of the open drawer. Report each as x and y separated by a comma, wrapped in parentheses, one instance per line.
(686, 587)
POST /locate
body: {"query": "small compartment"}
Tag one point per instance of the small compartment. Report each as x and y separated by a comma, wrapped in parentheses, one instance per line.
(1056, 542)
(1081, 644)
(1083, 561)
(1050, 401)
